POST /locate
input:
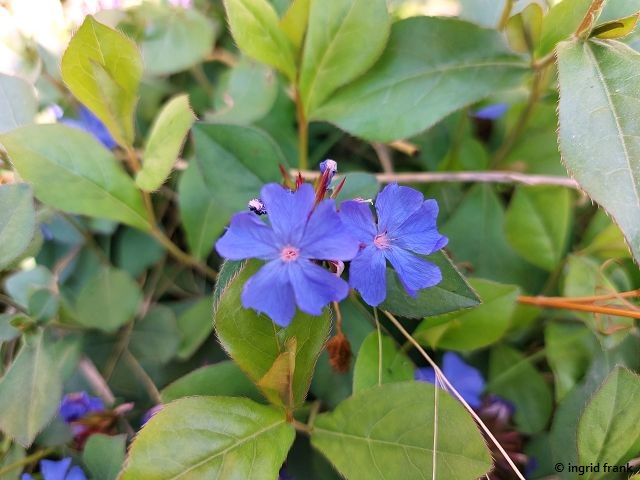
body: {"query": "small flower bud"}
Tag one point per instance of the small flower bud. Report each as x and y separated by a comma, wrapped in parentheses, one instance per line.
(256, 206)
(331, 166)
(339, 350)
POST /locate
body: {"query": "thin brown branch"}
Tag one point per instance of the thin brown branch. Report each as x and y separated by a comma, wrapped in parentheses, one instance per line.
(384, 155)
(97, 382)
(566, 304)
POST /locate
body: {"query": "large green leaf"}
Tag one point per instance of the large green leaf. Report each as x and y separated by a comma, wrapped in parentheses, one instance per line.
(102, 68)
(486, 13)
(210, 437)
(334, 53)
(70, 170)
(155, 337)
(607, 432)
(255, 342)
(451, 294)
(599, 131)
(475, 328)
(380, 361)
(560, 23)
(538, 223)
(104, 455)
(512, 376)
(430, 68)
(165, 142)
(195, 326)
(618, 9)
(254, 25)
(387, 433)
(18, 103)
(17, 221)
(30, 391)
(108, 300)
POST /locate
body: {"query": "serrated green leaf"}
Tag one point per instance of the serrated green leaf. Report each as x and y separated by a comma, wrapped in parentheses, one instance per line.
(475, 328)
(598, 132)
(537, 224)
(155, 336)
(165, 141)
(30, 391)
(387, 432)
(411, 87)
(451, 294)
(512, 376)
(104, 455)
(607, 430)
(108, 300)
(195, 325)
(379, 361)
(70, 170)
(103, 68)
(254, 25)
(17, 221)
(221, 379)
(255, 342)
(208, 437)
(18, 103)
(333, 52)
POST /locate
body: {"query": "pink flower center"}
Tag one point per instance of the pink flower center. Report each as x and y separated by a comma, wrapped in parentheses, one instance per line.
(289, 254)
(382, 241)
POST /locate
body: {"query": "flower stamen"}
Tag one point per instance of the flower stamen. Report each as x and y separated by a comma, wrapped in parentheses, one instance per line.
(289, 254)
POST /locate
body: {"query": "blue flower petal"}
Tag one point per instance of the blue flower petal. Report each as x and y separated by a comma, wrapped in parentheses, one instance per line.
(367, 274)
(314, 287)
(426, 374)
(358, 218)
(270, 292)
(76, 473)
(95, 126)
(492, 112)
(288, 212)
(395, 205)
(414, 272)
(247, 237)
(26, 476)
(326, 237)
(465, 378)
(52, 470)
(419, 232)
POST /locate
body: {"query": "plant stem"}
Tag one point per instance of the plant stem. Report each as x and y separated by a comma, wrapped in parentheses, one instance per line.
(506, 14)
(11, 303)
(183, 257)
(142, 375)
(34, 457)
(303, 134)
(99, 384)
(567, 304)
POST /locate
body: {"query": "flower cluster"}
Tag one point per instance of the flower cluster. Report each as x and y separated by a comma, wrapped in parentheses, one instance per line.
(305, 229)
(58, 470)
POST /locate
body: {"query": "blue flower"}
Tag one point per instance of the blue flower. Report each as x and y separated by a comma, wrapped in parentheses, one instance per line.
(491, 112)
(52, 470)
(91, 124)
(296, 236)
(74, 406)
(406, 223)
(465, 379)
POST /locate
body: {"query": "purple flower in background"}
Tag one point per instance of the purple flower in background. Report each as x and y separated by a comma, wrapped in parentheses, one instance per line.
(58, 470)
(296, 236)
(75, 406)
(150, 413)
(91, 124)
(406, 224)
(330, 165)
(491, 112)
(464, 378)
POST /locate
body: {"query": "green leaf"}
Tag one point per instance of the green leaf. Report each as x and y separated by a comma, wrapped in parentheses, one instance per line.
(245, 93)
(334, 53)
(616, 28)
(15, 454)
(104, 455)
(356, 185)
(476, 328)
(255, 342)
(617, 9)
(22, 284)
(537, 224)
(512, 376)
(598, 131)
(108, 300)
(17, 221)
(560, 23)
(607, 431)
(210, 437)
(451, 294)
(486, 13)
(387, 432)
(195, 325)
(254, 25)
(570, 350)
(18, 103)
(295, 21)
(379, 361)
(221, 379)
(173, 39)
(604, 239)
(102, 68)
(155, 337)
(165, 141)
(136, 251)
(412, 87)
(29, 391)
(71, 171)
